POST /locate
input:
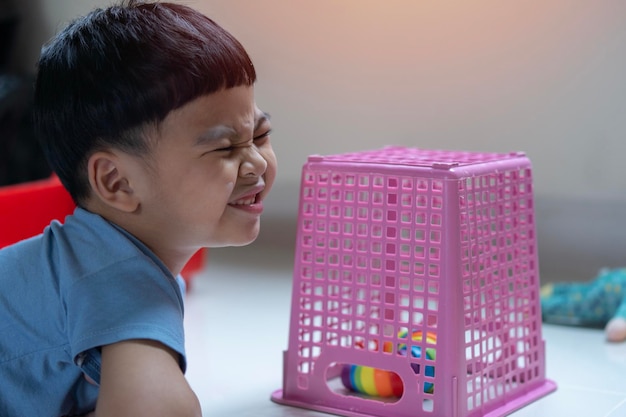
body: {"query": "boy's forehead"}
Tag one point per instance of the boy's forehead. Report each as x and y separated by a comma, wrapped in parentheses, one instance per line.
(222, 107)
(222, 114)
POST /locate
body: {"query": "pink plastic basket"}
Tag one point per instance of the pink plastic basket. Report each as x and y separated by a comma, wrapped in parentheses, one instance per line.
(398, 241)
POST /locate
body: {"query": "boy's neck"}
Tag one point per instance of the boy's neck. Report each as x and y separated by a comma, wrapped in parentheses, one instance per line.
(134, 224)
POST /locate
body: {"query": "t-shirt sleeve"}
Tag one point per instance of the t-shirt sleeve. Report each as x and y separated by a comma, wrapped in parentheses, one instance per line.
(131, 299)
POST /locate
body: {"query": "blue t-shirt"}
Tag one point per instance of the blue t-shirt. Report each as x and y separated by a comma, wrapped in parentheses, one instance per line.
(63, 295)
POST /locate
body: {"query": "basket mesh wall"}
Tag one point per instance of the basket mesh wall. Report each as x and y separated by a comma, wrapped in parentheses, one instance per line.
(403, 241)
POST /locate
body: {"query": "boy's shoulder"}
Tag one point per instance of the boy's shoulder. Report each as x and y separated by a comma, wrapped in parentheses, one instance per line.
(82, 243)
(77, 286)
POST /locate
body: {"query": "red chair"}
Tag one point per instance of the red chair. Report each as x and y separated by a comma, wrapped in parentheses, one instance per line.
(27, 208)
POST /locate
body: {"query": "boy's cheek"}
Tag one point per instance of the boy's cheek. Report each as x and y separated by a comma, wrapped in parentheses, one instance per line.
(270, 174)
(270, 157)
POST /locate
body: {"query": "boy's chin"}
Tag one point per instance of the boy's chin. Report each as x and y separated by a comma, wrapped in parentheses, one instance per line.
(243, 241)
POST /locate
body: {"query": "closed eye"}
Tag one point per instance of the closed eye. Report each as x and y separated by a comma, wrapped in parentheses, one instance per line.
(262, 135)
(225, 149)
(255, 139)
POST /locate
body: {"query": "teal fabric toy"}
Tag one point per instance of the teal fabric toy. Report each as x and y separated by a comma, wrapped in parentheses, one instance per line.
(600, 302)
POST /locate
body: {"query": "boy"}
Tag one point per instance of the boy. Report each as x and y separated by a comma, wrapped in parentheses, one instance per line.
(146, 113)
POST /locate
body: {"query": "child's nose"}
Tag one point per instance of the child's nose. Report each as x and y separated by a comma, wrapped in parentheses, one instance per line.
(253, 163)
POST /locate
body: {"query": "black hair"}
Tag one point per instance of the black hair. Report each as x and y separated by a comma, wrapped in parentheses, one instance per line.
(113, 72)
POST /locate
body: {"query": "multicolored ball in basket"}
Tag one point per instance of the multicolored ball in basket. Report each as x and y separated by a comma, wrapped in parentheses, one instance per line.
(382, 383)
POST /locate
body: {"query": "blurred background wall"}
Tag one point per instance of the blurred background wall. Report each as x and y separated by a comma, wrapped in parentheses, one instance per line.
(542, 76)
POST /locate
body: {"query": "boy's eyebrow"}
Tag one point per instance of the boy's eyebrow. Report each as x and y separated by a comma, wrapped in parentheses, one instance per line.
(215, 133)
(265, 117)
(222, 131)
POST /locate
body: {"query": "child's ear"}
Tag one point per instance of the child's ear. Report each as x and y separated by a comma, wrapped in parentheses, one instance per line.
(110, 183)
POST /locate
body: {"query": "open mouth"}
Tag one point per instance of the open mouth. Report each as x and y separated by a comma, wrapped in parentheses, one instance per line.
(251, 201)
(247, 201)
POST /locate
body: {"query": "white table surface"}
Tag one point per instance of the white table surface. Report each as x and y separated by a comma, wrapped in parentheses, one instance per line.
(246, 291)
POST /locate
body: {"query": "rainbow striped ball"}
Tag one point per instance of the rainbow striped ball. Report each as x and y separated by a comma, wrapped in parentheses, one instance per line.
(371, 381)
(382, 383)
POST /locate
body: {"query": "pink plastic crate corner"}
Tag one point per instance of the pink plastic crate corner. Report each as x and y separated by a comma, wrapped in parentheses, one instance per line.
(397, 241)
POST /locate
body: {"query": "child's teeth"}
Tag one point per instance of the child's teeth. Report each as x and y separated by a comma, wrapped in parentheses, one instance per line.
(244, 202)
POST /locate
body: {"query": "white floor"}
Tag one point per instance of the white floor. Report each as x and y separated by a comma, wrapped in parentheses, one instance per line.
(244, 295)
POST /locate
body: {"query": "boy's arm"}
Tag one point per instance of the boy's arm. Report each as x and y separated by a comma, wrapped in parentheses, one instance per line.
(143, 378)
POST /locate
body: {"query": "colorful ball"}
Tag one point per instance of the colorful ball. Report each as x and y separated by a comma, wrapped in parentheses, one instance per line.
(371, 381)
(416, 352)
(382, 383)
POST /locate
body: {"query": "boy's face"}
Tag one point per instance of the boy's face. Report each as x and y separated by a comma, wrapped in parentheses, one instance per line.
(209, 171)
